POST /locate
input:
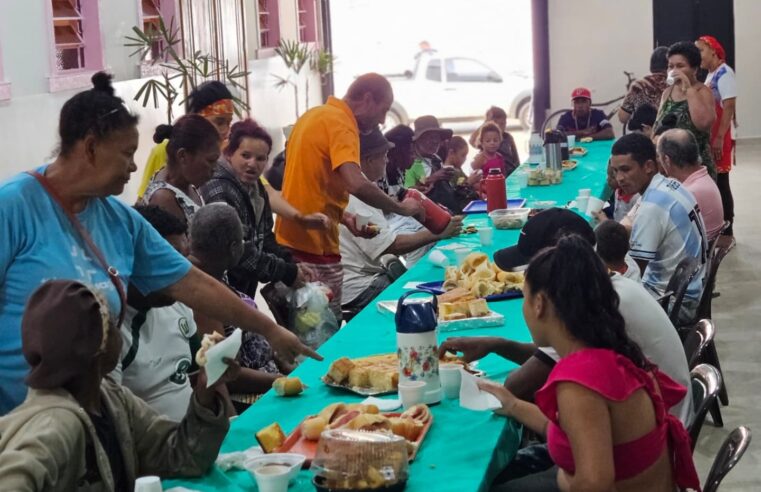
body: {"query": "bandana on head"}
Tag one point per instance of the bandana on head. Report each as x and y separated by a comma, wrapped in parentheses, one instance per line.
(223, 106)
(715, 45)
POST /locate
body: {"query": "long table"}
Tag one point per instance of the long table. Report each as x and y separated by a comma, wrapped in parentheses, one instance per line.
(464, 450)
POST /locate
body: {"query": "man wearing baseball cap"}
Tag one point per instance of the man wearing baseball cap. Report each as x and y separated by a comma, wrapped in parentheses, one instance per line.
(646, 322)
(583, 121)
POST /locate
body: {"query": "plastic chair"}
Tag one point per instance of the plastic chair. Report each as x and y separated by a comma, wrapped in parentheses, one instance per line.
(705, 380)
(671, 301)
(696, 341)
(730, 452)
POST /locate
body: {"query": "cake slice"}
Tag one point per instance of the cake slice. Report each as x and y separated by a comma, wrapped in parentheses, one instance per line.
(271, 437)
(340, 369)
(478, 308)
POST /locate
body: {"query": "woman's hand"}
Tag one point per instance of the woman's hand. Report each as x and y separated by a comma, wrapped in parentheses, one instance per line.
(680, 76)
(287, 347)
(507, 399)
(313, 221)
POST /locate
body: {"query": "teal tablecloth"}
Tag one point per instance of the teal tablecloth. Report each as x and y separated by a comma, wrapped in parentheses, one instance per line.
(464, 449)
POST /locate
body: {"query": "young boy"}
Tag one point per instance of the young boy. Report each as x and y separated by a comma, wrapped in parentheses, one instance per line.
(613, 249)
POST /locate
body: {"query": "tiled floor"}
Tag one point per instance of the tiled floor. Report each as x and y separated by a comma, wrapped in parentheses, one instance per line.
(737, 314)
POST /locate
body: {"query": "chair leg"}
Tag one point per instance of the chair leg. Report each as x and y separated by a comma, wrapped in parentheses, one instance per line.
(712, 357)
(715, 411)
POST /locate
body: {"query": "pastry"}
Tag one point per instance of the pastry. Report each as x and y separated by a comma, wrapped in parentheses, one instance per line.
(419, 412)
(369, 422)
(209, 340)
(312, 428)
(406, 427)
(286, 386)
(478, 307)
(330, 412)
(359, 377)
(369, 408)
(382, 379)
(339, 369)
(271, 437)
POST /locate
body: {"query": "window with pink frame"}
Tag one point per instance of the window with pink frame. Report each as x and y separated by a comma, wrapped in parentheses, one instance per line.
(307, 21)
(76, 47)
(151, 13)
(269, 23)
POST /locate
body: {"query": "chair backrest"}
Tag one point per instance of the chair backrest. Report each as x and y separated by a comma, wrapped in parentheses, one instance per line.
(696, 341)
(729, 454)
(717, 254)
(706, 382)
(683, 274)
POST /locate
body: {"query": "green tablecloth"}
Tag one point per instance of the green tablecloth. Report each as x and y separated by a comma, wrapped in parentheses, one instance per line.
(464, 449)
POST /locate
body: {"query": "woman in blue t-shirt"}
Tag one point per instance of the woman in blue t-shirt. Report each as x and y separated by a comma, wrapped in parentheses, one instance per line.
(99, 138)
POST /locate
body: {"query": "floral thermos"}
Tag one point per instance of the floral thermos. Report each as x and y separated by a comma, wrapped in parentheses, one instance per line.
(417, 344)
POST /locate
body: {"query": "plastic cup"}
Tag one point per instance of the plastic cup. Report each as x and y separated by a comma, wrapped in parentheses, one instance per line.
(272, 478)
(461, 254)
(486, 235)
(438, 258)
(521, 177)
(148, 484)
(595, 205)
(451, 377)
(582, 202)
(411, 392)
(571, 141)
(585, 192)
(362, 219)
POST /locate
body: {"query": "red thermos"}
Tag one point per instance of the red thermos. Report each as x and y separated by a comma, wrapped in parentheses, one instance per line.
(496, 192)
(436, 217)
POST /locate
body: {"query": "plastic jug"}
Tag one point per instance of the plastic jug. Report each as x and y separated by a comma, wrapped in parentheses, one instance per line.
(436, 217)
(496, 191)
(417, 343)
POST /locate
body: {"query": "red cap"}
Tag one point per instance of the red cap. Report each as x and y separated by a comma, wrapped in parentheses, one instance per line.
(715, 45)
(581, 92)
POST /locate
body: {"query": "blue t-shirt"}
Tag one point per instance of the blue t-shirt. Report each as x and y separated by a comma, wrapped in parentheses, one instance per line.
(38, 243)
(596, 119)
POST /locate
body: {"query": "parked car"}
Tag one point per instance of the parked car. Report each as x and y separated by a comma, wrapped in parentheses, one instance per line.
(457, 88)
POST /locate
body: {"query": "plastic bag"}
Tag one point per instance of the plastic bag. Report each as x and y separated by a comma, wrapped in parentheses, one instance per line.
(311, 317)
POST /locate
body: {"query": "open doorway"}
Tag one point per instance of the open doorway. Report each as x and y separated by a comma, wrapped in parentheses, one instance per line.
(448, 58)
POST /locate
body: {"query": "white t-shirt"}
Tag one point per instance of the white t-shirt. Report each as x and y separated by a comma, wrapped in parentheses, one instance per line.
(632, 269)
(725, 86)
(360, 257)
(154, 365)
(668, 228)
(649, 326)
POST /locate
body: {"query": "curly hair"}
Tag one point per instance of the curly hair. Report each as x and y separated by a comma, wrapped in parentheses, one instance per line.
(247, 128)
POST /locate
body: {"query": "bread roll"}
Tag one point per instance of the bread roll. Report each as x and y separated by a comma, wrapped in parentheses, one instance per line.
(286, 386)
(312, 428)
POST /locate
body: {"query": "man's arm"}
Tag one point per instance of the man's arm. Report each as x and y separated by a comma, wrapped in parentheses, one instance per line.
(606, 133)
(726, 121)
(367, 191)
(406, 243)
(528, 378)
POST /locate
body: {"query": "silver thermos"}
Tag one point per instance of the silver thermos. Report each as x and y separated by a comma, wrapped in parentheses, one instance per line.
(553, 151)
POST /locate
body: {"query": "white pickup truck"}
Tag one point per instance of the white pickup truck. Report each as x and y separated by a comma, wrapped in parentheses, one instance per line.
(454, 89)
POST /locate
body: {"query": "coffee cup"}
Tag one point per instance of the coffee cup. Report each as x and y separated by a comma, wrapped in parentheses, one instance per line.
(411, 392)
(451, 378)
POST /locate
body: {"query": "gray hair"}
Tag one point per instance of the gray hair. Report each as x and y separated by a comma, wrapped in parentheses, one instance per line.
(680, 147)
(214, 228)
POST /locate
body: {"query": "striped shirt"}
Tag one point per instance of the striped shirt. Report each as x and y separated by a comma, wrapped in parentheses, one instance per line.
(668, 228)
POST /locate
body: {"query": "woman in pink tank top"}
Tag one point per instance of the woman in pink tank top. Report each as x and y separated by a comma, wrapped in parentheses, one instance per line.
(604, 408)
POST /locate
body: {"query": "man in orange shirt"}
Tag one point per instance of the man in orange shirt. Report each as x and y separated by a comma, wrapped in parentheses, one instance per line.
(322, 169)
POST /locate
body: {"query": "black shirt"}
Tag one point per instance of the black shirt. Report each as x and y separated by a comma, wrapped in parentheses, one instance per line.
(106, 431)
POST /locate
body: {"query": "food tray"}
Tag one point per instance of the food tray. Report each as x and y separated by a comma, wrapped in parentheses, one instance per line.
(570, 165)
(490, 320)
(479, 206)
(296, 443)
(438, 288)
(578, 151)
(355, 389)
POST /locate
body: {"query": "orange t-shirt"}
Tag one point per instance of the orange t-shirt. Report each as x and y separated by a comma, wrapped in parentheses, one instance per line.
(322, 140)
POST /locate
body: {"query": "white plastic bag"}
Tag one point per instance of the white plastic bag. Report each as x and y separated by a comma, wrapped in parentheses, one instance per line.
(311, 317)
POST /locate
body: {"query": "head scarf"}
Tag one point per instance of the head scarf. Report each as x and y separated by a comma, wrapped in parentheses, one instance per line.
(223, 106)
(64, 327)
(715, 45)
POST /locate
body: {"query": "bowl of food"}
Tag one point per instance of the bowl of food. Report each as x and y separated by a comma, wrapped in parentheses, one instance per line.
(509, 218)
(272, 461)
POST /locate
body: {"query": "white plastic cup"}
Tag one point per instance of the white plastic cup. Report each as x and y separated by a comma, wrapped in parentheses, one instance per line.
(571, 141)
(411, 393)
(582, 202)
(585, 192)
(460, 254)
(362, 219)
(272, 478)
(438, 258)
(148, 484)
(521, 178)
(594, 206)
(451, 378)
(486, 235)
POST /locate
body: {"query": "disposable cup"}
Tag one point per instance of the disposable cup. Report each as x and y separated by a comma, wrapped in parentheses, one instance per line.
(438, 258)
(460, 254)
(272, 478)
(362, 219)
(585, 192)
(582, 202)
(411, 392)
(571, 141)
(521, 177)
(450, 377)
(486, 235)
(594, 205)
(148, 484)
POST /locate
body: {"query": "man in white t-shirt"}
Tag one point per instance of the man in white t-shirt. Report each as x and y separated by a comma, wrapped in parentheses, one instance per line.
(159, 336)
(364, 275)
(646, 323)
(721, 81)
(668, 226)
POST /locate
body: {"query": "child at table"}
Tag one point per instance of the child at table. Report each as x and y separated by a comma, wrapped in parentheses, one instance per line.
(457, 154)
(613, 248)
(489, 139)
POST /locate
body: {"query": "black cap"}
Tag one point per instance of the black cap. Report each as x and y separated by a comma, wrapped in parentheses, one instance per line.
(542, 231)
(373, 142)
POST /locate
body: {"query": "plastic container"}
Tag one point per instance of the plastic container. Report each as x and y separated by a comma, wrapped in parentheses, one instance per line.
(348, 460)
(535, 149)
(543, 204)
(496, 190)
(436, 217)
(512, 218)
(293, 461)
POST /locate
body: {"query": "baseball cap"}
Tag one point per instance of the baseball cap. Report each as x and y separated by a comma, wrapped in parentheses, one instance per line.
(581, 92)
(542, 231)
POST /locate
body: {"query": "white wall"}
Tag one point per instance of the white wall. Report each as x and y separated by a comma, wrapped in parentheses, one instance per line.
(747, 57)
(592, 42)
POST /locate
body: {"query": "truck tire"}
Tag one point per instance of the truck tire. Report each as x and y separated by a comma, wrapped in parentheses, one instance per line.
(395, 116)
(525, 114)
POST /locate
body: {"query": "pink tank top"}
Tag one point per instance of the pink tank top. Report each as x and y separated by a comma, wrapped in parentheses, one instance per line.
(616, 378)
(495, 162)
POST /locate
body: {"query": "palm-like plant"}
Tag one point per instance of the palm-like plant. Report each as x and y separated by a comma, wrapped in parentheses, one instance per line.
(188, 72)
(295, 56)
(320, 62)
